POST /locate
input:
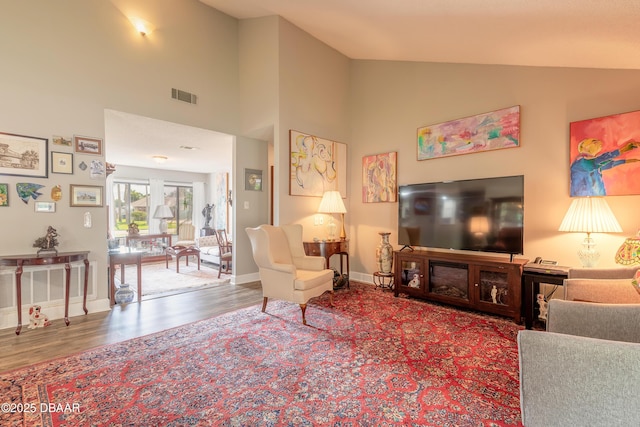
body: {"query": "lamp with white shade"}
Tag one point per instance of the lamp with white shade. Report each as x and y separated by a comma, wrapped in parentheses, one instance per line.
(163, 213)
(589, 215)
(332, 203)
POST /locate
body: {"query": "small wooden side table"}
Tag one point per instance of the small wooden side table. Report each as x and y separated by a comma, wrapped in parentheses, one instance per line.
(181, 251)
(383, 280)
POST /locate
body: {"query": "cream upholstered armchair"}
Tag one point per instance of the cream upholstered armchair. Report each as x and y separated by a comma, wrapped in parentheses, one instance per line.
(286, 272)
(585, 369)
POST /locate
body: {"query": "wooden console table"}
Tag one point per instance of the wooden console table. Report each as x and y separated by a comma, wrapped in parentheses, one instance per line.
(30, 260)
(327, 249)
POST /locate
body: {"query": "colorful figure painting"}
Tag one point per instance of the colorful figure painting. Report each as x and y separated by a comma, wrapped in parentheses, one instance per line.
(379, 178)
(489, 131)
(604, 155)
(317, 165)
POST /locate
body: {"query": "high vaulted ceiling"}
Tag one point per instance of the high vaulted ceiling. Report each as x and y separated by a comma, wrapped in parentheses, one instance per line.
(556, 33)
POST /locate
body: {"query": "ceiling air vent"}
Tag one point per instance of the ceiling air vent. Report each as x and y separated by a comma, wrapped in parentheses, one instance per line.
(181, 95)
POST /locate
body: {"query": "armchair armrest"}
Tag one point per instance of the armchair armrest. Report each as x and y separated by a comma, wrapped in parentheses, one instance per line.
(568, 380)
(310, 262)
(283, 268)
(605, 321)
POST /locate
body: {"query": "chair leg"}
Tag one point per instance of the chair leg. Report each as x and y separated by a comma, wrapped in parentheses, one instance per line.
(331, 299)
(264, 304)
(303, 307)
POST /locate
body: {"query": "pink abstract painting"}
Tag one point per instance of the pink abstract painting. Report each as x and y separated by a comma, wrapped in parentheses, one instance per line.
(489, 131)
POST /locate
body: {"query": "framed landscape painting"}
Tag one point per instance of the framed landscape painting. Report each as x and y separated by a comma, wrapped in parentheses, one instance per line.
(605, 155)
(317, 165)
(86, 195)
(23, 155)
(379, 178)
(489, 131)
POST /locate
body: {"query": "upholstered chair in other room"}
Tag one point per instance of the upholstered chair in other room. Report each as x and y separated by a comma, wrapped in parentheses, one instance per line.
(286, 272)
(226, 252)
(585, 369)
(186, 235)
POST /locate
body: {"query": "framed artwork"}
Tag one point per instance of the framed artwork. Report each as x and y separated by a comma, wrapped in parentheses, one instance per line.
(604, 155)
(47, 207)
(4, 195)
(489, 131)
(61, 140)
(61, 162)
(22, 155)
(86, 195)
(86, 145)
(253, 179)
(379, 178)
(317, 165)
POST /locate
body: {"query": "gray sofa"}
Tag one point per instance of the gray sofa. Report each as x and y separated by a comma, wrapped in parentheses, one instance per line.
(585, 370)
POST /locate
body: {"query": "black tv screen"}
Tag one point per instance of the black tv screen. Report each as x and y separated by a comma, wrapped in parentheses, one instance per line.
(478, 215)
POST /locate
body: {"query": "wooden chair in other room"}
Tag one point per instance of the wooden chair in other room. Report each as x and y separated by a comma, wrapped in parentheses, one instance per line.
(226, 252)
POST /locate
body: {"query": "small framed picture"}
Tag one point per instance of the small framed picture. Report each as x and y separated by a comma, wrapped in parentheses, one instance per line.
(61, 162)
(253, 180)
(87, 145)
(61, 140)
(47, 207)
(4, 195)
(86, 195)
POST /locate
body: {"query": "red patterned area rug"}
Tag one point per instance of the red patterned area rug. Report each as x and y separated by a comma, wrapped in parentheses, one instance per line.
(372, 360)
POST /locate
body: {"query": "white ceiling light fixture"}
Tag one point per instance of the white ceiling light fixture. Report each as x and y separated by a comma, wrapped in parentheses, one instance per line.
(160, 159)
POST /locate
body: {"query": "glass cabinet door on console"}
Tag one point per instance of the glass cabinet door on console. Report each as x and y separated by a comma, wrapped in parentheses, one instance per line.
(493, 287)
(411, 271)
(497, 289)
(449, 280)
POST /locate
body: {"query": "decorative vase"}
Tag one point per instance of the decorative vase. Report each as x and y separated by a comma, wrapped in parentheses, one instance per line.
(124, 294)
(384, 254)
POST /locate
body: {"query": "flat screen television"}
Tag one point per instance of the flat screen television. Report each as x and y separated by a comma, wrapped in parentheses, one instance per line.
(477, 214)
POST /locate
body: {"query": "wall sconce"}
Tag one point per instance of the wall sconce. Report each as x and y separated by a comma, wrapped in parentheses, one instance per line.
(142, 26)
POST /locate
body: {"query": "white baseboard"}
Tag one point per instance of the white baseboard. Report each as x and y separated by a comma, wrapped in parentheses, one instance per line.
(54, 311)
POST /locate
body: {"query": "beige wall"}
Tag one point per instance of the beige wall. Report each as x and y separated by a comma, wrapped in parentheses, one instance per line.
(63, 66)
(390, 100)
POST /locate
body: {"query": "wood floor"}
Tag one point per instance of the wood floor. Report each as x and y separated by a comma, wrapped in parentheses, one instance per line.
(122, 323)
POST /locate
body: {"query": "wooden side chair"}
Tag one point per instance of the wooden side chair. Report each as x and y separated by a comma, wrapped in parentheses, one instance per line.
(226, 252)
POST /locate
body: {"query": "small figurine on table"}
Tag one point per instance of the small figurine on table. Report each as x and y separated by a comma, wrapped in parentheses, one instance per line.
(47, 242)
(133, 229)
